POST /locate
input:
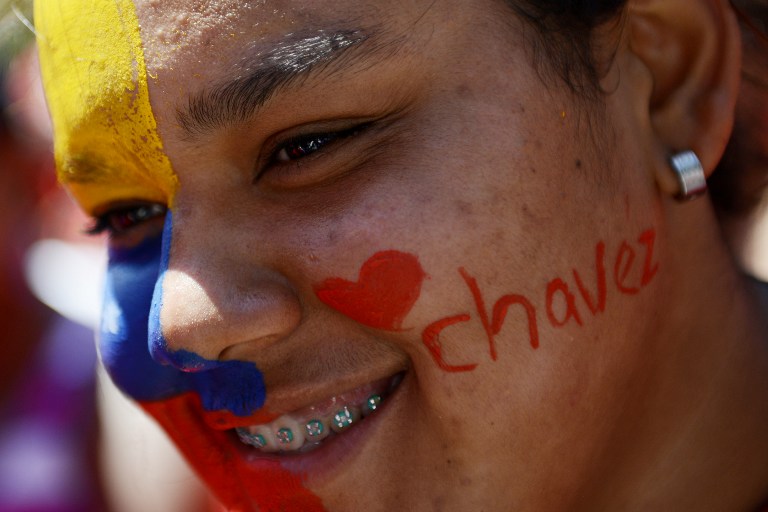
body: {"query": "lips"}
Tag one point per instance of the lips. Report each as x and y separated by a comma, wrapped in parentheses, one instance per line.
(308, 428)
(246, 477)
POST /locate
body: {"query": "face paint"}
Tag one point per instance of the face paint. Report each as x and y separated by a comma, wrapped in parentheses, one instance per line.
(387, 288)
(107, 150)
(630, 278)
(131, 315)
(230, 392)
(105, 137)
(268, 487)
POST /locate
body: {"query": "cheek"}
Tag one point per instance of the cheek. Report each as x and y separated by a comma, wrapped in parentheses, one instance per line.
(387, 287)
(130, 283)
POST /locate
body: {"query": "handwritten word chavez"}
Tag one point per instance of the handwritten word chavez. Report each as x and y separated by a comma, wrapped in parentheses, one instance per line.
(626, 281)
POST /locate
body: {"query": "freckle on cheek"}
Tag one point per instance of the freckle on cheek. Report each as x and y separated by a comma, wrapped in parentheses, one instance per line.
(464, 207)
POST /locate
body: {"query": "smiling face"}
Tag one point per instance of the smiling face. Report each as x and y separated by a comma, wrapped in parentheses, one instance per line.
(386, 228)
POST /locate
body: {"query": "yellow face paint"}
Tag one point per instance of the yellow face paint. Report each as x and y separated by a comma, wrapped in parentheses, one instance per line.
(106, 142)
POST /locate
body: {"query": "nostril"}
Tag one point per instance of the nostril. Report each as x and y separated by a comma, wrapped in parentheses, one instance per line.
(234, 386)
(182, 360)
(222, 319)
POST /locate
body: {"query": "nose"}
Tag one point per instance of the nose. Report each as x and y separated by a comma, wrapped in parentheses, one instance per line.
(214, 304)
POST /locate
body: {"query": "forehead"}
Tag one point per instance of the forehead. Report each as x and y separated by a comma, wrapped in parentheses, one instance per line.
(171, 29)
(167, 52)
(207, 38)
(195, 50)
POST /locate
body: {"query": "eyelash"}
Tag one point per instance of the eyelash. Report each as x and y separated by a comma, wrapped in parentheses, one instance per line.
(121, 220)
(303, 146)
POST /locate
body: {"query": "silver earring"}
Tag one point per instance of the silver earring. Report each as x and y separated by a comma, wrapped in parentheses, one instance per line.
(690, 175)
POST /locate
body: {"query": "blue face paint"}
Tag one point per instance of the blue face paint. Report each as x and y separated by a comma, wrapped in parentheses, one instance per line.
(135, 352)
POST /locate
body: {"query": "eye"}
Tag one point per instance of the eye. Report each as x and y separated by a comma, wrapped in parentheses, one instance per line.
(323, 151)
(302, 146)
(122, 221)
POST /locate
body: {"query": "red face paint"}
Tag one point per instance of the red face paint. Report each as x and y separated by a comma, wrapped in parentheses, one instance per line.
(431, 339)
(242, 483)
(595, 306)
(387, 288)
(558, 286)
(225, 420)
(625, 261)
(500, 308)
(390, 283)
(557, 290)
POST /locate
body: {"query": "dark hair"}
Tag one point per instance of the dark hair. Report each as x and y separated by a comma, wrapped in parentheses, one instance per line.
(563, 46)
(563, 37)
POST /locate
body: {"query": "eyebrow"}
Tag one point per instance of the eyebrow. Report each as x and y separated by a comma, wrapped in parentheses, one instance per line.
(287, 64)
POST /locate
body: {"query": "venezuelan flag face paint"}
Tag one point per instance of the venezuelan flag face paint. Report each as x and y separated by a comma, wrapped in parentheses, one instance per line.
(108, 152)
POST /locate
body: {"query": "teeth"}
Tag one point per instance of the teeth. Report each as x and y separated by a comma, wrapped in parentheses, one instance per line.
(373, 403)
(269, 437)
(316, 430)
(344, 418)
(256, 440)
(287, 434)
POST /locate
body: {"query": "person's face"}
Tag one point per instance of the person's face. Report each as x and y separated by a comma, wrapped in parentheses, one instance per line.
(374, 201)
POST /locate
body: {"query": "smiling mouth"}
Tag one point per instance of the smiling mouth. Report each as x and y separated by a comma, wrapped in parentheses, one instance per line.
(309, 428)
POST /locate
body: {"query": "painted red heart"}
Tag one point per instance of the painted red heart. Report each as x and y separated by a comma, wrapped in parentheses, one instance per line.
(387, 288)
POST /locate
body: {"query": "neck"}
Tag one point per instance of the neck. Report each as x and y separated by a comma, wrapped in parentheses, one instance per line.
(697, 439)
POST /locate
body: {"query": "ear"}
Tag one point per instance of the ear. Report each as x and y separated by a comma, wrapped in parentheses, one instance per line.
(692, 51)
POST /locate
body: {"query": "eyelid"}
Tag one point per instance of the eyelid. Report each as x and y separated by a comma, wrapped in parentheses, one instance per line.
(324, 138)
(338, 131)
(137, 213)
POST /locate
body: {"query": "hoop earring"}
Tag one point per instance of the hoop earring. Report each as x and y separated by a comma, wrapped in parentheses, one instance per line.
(690, 175)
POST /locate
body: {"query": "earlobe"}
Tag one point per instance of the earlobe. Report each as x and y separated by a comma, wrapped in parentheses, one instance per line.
(692, 50)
